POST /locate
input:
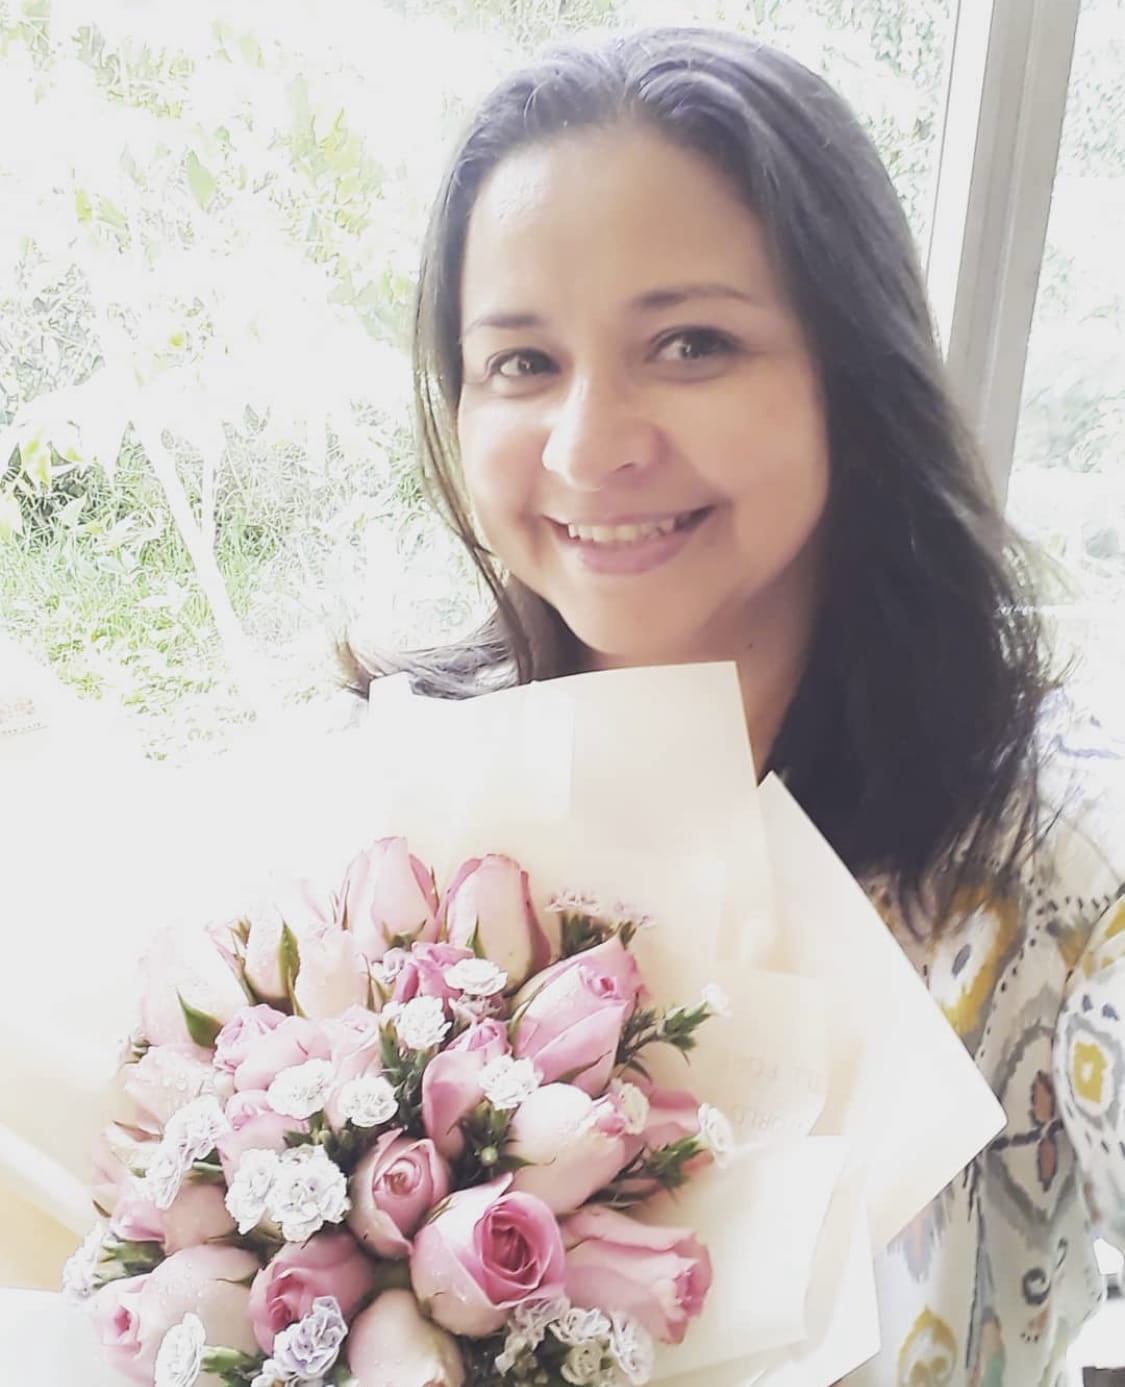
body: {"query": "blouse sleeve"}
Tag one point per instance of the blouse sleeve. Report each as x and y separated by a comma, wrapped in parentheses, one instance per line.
(1089, 1057)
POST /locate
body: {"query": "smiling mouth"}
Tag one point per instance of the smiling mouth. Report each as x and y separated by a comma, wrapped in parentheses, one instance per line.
(636, 532)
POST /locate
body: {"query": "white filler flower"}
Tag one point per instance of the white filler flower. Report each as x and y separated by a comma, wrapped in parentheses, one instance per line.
(716, 1133)
(632, 1349)
(633, 1103)
(308, 1191)
(716, 1000)
(477, 977)
(303, 1089)
(80, 1273)
(421, 1024)
(189, 1135)
(248, 1197)
(506, 1082)
(368, 1101)
(179, 1360)
(309, 1348)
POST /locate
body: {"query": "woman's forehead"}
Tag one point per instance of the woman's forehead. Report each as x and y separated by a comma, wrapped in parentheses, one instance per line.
(622, 210)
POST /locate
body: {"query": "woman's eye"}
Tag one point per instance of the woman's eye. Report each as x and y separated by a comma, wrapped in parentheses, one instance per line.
(519, 365)
(694, 344)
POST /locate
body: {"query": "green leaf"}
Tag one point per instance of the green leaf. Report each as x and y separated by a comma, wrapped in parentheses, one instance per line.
(202, 1028)
(83, 207)
(289, 958)
(227, 1360)
(111, 214)
(200, 182)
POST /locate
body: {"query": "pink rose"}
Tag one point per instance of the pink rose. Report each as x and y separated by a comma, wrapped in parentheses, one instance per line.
(388, 898)
(306, 911)
(488, 908)
(329, 1264)
(575, 1013)
(187, 964)
(163, 1080)
(421, 972)
(573, 1145)
(356, 1039)
(355, 1029)
(672, 1116)
(132, 1316)
(291, 1043)
(658, 1276)
(333, 975)
(393, 1188)
(247, 1025)
(198, 1214)
(392, 1345)
(488, 1250)
(451, 1083)
(254, 1126)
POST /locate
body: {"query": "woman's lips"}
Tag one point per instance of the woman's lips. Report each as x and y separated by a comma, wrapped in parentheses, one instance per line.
(626, 553)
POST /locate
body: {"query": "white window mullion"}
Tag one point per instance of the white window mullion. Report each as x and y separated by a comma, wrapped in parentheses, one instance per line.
(1007, 97)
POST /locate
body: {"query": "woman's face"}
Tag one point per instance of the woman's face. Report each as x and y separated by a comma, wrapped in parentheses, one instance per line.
(640, 424)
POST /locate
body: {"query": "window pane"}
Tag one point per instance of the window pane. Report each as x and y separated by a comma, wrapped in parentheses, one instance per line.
(1068, 480)
(208, 236)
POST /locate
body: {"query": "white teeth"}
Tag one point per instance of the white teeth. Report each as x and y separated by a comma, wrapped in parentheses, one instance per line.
(620, 534)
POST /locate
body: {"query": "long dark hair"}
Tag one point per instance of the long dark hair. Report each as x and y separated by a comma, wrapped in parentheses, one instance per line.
(914, 723)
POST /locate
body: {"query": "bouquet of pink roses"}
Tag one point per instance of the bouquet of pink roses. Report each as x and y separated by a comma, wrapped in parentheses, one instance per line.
(385, 1138)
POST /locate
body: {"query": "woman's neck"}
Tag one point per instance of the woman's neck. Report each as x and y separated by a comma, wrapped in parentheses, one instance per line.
(770, 648)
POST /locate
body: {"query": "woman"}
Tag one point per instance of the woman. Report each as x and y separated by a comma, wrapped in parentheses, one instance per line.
(680, 398)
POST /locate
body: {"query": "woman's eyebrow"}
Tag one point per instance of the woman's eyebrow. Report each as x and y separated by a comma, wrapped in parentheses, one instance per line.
(653, 300)
(511, 322)
(677, 294)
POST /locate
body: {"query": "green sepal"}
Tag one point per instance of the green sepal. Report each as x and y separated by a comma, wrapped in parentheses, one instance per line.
(289, 957)
(202, 1028)
(231, 1364)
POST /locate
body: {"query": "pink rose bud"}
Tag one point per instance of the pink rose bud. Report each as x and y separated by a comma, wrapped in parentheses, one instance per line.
(575, 1013)
(487, 1251)
(131, 1317)
(356, 1029)
(421, 972)
(329, 1264)
(333, 974)
(116, 1154)
(197, 1215)
(388, 898)
(451, 1083)
(164, 1079)
(301, 906)
(263, 955)
(247, 1025)
(488, 908)
(393, 1188)
(254, 1126)
(573, 1145)
(186, 964)
(391, 1344)
(658, 1276)
(672, 1116)
(356, 1039)
(289, 1044)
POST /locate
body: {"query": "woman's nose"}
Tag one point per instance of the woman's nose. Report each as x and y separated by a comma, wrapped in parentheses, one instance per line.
(597, 433)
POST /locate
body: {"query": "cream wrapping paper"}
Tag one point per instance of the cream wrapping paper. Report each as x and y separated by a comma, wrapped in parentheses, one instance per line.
(634, 786)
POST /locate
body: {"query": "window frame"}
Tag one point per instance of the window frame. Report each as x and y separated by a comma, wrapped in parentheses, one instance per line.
(1009, 75)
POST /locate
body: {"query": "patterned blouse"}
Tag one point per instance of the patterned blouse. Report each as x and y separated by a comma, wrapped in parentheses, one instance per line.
(989, 1286)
